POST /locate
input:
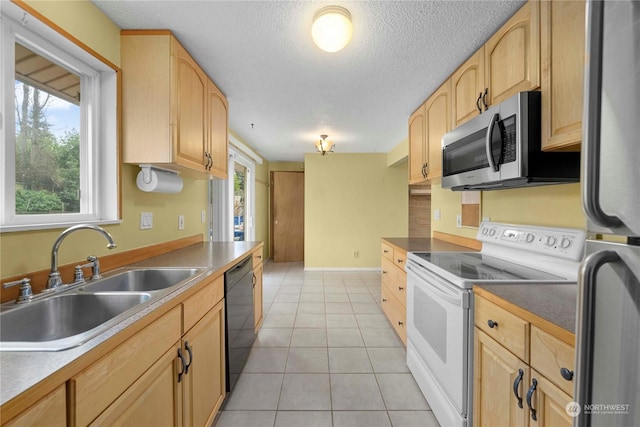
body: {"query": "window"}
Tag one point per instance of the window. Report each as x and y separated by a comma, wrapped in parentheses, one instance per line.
(58, 129)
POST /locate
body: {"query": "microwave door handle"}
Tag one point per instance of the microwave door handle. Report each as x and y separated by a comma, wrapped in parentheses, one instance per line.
(488, 147)
(591, 122)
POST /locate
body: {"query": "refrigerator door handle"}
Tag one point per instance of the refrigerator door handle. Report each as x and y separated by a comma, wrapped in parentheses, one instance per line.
(586, 327)
(591, 120)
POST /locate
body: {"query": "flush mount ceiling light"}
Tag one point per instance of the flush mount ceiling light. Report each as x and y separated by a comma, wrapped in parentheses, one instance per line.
(324, 146)
(332, 29)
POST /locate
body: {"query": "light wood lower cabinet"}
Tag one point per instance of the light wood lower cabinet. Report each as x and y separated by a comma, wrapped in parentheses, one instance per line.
(509, 391)
(257, 286)
(50, 411)
(394, 288)
(170, 373)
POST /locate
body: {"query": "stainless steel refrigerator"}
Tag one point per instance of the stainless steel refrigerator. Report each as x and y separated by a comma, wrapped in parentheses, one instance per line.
(607, 386)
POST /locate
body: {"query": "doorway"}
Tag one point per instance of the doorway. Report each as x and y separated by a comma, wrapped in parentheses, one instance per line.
(287, 216)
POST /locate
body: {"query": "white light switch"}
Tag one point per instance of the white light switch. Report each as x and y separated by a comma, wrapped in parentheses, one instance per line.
(459, 221)
(203, 216)
(146, 220)
(436, 214)
(180, 222)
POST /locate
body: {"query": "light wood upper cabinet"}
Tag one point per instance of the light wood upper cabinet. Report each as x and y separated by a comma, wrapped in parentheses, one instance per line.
(217, 138)
(562, 51)
(496, 373)
(173, 115)
(417, 153)
(467, 87)
(512, 55)
(438, 122)
(427, 125)
(191, 86)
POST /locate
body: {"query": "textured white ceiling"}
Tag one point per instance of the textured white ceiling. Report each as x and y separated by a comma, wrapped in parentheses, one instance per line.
(261, 55)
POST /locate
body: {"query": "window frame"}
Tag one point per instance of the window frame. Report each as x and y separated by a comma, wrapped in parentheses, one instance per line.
(99, 170)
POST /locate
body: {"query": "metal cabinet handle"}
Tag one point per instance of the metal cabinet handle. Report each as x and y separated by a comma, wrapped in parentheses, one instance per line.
(591, 122)
(426, 169)
(532, 389)
(384, 272)
(492, 324)
(400, 260)
(484, 98)
(384, 300)
(566, 373)
(516, 386)
(400, 323)
(254, 280)
(183, 363)
(188, 348)
(400, 288)
(478, 103)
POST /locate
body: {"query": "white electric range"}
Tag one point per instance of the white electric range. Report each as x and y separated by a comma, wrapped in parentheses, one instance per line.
(440, 303)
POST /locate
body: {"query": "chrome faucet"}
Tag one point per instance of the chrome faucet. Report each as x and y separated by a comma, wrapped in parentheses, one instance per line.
(55, 280)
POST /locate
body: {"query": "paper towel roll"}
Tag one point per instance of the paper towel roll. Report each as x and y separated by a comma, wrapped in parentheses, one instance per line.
(159, 181)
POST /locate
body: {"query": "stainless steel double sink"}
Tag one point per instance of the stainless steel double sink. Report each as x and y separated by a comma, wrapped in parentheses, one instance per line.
(69, 318)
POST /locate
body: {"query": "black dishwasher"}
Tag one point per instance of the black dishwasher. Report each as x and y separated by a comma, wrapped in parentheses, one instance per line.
(239, 318)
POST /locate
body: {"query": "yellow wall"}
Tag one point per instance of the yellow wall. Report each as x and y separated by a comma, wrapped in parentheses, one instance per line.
(551, 205)
(399, 153)
(23, 252)
(351, 201)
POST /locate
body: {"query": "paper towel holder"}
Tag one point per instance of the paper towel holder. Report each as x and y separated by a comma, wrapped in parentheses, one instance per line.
(149, 176)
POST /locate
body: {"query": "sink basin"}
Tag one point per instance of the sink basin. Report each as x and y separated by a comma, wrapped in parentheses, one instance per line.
(141, 280)
(62, 321)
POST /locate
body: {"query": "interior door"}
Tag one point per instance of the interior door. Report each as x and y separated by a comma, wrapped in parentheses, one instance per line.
(287, 216)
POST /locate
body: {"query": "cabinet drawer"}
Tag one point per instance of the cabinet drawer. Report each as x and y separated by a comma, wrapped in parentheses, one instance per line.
(196, 306)
(257, 257)
(509, 330)
(396, 313)
(387, 251)
(400, 258)
(95, 388)
(395, 280)
(549, 355)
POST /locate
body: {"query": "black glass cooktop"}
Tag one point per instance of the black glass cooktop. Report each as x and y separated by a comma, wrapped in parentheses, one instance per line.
(478, 267)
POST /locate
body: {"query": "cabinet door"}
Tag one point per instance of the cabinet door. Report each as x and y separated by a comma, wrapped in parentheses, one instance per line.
(417, 146)
(191, 84)
(549, 403)
(50, 411)
(217, 118)
(153, 400)
(395, 312)
(257, 295)
(512, 55)
(562, 50)
(467, 83)
(496, 371)
(204, 383)
(438, 122)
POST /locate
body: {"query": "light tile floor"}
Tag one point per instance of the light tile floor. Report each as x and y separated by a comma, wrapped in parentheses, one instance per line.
(325, 356)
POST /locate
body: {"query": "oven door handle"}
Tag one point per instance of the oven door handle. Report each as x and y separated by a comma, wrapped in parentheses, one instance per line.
(440, 290)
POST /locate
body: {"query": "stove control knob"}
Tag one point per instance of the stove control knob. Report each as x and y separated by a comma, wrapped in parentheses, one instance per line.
(565, 243)
(485, 231)
(551, 240)
(530, 238)
(492, 232)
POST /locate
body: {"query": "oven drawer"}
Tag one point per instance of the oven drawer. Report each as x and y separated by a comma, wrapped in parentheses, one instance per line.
(509, 330)
(396, 313)
(549, 356)
(396, 280)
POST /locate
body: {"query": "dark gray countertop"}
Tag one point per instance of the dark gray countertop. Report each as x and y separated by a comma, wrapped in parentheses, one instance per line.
(21, 370)
(425, 245)
(554, 303)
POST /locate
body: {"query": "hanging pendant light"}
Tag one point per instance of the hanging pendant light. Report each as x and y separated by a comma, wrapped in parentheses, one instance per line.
(332, 28)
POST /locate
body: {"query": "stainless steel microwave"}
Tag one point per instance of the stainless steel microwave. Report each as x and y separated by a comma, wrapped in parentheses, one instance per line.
(500, 148)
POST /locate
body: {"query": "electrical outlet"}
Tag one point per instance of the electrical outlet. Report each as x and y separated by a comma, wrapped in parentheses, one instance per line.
(146, 220)
(203, 216)
(180, 222)
(436, 214)
(459, 221)
(486, 219)
(356, 254)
